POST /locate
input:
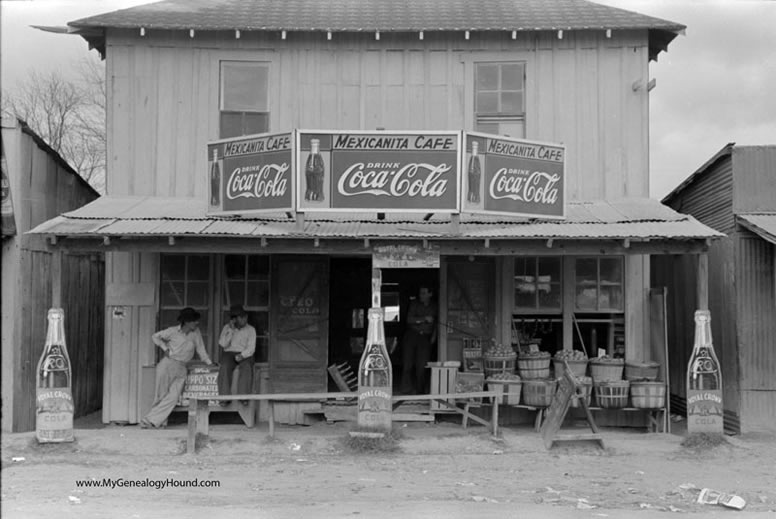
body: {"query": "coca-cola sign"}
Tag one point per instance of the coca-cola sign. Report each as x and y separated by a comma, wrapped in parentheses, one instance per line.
(513, 177)
(378, 171)
(251, 174)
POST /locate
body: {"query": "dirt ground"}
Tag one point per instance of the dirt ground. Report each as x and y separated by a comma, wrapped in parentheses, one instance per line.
(438, 470)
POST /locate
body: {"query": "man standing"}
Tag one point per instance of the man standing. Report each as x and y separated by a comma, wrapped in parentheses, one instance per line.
(420, 334)
(238, 339)
(178, 344)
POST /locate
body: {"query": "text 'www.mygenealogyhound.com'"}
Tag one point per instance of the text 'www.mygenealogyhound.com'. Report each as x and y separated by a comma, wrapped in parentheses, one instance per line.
(158, 484)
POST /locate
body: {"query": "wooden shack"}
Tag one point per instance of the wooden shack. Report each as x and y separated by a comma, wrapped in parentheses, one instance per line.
(41, 185)
(734, 192)
(185, 83)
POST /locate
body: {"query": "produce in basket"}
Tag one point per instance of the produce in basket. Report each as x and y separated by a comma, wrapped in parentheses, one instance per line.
(499, 350)
(607, 359)
(570, 355)
(505, 376)
(535, 355)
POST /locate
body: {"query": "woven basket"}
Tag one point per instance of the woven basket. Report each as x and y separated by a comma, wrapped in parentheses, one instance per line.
(648, 395)
(641, 370)
(511, 390)
(612, 394)
(578, 367)
(538, 393)
(603, 371)
(534, 368)
(499, 365)
(586, 391)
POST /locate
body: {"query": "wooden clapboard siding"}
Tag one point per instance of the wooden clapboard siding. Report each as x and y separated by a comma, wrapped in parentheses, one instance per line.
(755, 180)
(164, 97)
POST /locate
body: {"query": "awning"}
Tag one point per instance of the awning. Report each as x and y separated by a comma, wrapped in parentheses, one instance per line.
(763, 224)
(637, 219)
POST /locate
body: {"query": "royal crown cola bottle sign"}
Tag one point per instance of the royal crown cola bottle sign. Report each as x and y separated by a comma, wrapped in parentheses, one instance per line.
(704, 381)
(54, 398)
(375, 379)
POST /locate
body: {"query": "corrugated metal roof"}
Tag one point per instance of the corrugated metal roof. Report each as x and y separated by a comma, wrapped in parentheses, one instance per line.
(639, 218)
(763, 224)
(373, 15)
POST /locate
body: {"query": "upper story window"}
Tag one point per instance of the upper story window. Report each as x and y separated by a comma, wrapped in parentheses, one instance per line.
(244, 103)
(499, 98)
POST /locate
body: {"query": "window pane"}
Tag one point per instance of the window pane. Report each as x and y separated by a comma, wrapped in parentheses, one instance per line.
(549, 295)
(172, 293)
(487, 128)
(231, 124)
(524, 297)
(258, 267)
(487, 103)
(255, 123)
(611, 270)
(258, 293)
(234, 266)
(236, 293)
(511, 76)
(197, 293)
(511, 103)
(260, 321)
(487, 77)
(168, 318)
(173, 266)
(587, 270)
(244, 87)
(550, 267)
(199, 268)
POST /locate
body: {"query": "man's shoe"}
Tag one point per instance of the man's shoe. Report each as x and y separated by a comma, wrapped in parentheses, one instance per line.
(145, 424)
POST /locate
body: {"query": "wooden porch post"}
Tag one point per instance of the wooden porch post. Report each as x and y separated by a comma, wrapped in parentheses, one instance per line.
(702, 295)
(56, 279)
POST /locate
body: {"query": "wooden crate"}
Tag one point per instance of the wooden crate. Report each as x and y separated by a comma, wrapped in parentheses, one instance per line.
(442, 381)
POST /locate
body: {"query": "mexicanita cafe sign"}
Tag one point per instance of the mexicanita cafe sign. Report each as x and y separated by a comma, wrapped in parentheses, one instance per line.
(386, 171)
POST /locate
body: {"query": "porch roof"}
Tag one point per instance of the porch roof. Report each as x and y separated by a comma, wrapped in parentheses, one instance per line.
(637, 219)
(763, 224)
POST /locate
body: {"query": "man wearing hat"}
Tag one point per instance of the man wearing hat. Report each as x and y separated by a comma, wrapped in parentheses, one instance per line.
(178, 344)
(238, 339)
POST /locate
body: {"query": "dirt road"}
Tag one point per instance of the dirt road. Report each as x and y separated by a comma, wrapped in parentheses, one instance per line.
(439, 470)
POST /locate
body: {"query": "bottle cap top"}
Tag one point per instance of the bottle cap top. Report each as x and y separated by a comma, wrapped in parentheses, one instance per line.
(56, 313)
(703, 315)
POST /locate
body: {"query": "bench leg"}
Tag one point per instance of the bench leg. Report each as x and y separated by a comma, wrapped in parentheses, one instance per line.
(191, 439)
(203, 417)
(465, 421)
(495, 416)
(538, 423)
(271, 411)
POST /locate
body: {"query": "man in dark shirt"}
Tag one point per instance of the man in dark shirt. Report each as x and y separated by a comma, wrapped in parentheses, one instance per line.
(419, 336)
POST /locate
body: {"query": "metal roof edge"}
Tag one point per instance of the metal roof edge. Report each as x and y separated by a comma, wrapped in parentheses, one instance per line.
(725, 151)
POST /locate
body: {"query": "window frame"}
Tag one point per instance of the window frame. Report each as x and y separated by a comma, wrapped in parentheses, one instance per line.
(222, 111)
(500, 117)
(598, 284)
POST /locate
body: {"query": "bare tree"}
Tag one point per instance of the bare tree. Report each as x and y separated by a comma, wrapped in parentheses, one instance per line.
(68, 114)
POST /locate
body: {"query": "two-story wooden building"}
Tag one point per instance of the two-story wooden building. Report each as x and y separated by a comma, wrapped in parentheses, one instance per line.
(182, 75)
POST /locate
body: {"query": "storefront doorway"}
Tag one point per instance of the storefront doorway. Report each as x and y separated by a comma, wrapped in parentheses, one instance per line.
(350, 298)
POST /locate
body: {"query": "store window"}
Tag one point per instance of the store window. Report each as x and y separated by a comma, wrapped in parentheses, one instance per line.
(246, 282)
(244, 98)
(186, 280)
(598, 285)
(538, 284)
(499, 98)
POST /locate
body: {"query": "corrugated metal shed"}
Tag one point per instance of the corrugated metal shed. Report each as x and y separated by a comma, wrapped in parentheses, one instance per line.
(762, 224)
(154, 216)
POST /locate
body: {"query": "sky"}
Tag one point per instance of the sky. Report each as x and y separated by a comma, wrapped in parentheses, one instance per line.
(711, 85)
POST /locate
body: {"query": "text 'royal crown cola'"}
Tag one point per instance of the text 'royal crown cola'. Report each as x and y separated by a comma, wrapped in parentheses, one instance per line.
(704, 381)
(54, 398)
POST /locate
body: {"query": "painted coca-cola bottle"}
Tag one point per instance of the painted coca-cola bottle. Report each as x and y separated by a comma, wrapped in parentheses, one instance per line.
(704, 381)
(314, 172)
(54, 399)
(375, 378)
(215, 181)
(475, 173)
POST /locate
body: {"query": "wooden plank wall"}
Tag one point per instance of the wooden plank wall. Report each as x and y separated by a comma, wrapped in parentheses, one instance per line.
(42, 188)
(579, 92)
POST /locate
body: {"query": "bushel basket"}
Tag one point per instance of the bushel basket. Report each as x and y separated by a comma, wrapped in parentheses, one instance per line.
(641, 370)
(499, 365)
(578, 367)
(612, 394)
(603, 371)
(534, 368)
(538, 393)
(648, 395)
(585, 391)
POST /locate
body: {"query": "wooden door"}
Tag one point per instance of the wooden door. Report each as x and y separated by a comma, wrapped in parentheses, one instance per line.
(299, 324)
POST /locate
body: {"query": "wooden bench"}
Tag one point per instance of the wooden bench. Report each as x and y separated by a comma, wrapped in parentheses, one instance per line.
(199, 409)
